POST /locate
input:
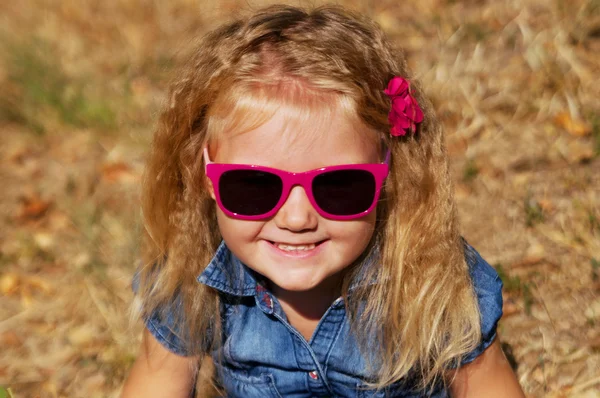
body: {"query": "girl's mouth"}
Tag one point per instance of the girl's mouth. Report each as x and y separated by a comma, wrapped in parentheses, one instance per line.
(293, 248)
(298, 249)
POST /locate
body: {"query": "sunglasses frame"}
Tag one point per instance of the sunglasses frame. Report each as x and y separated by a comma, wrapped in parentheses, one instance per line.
(214, 171)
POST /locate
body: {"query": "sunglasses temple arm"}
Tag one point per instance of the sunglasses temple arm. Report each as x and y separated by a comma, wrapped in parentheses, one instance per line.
(388, 155)
(206, 157)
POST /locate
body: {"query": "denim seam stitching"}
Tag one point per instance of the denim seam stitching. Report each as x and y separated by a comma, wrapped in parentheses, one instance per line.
(163, 339)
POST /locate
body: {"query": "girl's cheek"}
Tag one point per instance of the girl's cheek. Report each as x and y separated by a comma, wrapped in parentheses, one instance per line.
(355, 229)
(351, 237)
(238, 231)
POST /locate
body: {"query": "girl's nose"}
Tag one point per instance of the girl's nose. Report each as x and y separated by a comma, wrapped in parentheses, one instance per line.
(297, 213)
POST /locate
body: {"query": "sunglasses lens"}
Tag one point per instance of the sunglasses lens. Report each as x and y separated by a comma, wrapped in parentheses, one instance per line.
(249, 192)
(344, 192)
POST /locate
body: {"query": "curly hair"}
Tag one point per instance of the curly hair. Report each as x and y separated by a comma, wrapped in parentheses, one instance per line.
(421, 312)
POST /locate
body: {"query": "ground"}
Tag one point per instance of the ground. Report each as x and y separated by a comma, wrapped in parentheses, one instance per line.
(515, 83)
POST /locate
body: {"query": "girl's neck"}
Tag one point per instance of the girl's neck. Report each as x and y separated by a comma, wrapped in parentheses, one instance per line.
(304, 309)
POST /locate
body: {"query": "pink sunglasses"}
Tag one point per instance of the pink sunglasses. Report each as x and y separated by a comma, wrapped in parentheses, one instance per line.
(250, 192)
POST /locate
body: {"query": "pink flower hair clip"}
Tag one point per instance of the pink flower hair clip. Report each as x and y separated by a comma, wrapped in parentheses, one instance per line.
(405, 113)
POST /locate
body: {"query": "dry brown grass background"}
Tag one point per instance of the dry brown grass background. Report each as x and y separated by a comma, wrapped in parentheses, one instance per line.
(516, 83)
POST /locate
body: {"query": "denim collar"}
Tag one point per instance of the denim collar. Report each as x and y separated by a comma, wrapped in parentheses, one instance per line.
(226, 273)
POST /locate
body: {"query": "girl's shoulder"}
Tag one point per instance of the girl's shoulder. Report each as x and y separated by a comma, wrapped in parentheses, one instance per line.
(486, 280)
(224, 273)
(487, 286)
(166, 322)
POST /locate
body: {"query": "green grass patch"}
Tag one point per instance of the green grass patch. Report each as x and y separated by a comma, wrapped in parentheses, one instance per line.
(476, 31)
(596, 134)
(592, 8)
(511, 283)
(514, 285)
(470, 170)
(5, 392)
(40, 91)
(534, 213)
(527, 297)
(595, 269)
(5, 260)
(593, 221)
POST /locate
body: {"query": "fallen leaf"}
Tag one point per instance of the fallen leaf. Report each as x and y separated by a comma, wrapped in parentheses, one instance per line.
(118, 172)
(10, 339)
(9, 283)
(576, 128)
(20, 155)
(595, 343)
(33, 208)
(546, 205)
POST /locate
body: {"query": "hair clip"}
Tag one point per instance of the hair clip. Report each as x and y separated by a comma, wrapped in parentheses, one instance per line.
(405, 112)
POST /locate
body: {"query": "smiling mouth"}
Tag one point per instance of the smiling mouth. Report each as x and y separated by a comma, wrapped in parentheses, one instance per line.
(295, 248)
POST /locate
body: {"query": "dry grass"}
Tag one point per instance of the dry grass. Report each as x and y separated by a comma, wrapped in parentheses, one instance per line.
(516, 83)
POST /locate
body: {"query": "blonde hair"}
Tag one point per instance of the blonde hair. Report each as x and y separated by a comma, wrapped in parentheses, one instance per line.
(421, 312)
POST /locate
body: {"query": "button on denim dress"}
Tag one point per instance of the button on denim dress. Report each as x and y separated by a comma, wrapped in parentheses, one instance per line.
(263, 356)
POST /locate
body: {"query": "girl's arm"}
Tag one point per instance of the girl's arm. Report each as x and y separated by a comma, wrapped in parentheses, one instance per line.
(489, 375)
(158, 372)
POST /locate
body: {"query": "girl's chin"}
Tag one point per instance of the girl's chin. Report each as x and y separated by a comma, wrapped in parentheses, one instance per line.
(299, 281)
(295, 283)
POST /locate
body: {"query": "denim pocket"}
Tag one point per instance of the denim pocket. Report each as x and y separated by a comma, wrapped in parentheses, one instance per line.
(238, 384)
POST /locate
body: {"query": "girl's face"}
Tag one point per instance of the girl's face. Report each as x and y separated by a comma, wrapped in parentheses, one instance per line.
(297, 249)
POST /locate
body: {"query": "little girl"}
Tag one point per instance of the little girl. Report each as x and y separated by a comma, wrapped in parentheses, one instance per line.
(302, 228)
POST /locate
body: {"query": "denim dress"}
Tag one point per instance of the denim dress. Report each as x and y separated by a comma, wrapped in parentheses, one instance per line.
(263, 356)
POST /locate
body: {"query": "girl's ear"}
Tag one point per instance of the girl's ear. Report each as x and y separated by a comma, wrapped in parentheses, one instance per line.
(207, 181)
(209, 186)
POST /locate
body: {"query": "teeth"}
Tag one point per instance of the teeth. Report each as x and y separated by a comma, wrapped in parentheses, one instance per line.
(291, 248)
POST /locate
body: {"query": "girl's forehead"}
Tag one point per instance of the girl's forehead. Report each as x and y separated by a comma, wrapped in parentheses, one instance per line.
(299, 143)
(288, 118)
